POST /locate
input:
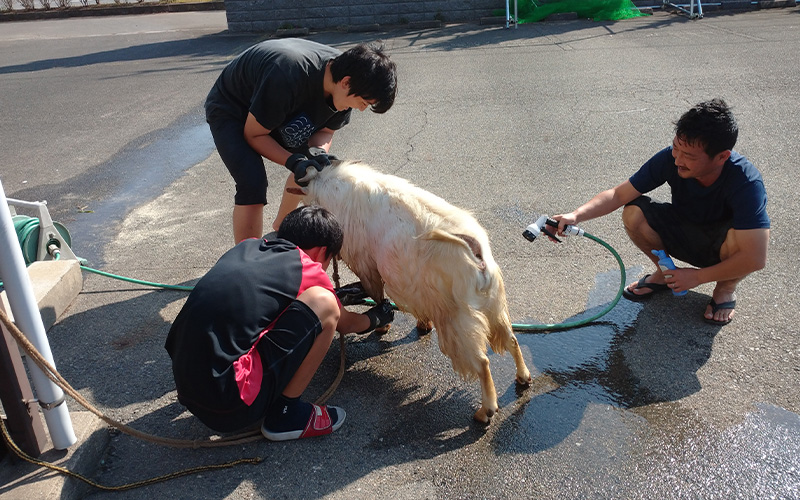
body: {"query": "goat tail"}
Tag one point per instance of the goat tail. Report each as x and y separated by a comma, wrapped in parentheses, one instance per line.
(442, 235)
(470, 243)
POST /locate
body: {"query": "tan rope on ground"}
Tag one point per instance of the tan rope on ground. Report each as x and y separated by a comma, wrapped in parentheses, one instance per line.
(342, 357)
(57, 379)
(13, 447)
(53, 375)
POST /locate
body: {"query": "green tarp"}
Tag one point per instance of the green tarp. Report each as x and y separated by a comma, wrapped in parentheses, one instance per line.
(530, 11)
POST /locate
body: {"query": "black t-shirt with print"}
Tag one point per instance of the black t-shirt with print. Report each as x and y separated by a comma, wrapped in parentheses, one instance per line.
(281, 83)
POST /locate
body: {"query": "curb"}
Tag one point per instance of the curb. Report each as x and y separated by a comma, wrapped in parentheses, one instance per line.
(56, 284)
(93, 10)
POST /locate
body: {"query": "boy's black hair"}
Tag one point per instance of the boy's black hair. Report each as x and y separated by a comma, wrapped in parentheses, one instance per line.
(372, 75)
(312, 226)
(710, 124)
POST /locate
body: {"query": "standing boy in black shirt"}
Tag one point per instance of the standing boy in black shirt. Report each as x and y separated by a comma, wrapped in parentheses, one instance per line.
(288, 96)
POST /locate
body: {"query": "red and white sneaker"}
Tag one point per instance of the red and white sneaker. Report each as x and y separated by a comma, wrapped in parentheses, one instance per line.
(323, 420)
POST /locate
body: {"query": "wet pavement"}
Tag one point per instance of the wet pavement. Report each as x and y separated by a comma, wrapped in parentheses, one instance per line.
(647, 402)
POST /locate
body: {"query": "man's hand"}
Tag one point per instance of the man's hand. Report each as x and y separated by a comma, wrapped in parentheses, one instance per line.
(565, 220)
(305, 169)
(379, 315)
(682, 278)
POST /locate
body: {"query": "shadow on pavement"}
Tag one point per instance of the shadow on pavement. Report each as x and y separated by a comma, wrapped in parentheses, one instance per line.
(219, 44)
(393, 418)
(468, 36)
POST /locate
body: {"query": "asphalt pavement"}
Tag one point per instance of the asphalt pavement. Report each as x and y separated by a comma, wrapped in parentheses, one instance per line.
(103, 119)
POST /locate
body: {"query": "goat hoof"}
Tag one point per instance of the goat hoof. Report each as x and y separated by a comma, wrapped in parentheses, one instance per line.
(424, 327)
(524, 381)
(483, 415)
(383, 329)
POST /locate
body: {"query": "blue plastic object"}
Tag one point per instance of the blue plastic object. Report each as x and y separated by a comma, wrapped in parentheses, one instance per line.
(665, 263)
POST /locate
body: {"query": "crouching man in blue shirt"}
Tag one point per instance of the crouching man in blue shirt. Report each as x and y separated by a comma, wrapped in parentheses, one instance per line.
(717, 218)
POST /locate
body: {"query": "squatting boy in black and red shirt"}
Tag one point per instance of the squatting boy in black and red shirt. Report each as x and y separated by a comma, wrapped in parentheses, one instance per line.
(255, 328)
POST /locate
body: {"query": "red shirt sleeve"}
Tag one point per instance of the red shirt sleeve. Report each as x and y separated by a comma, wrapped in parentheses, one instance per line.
(314, 275)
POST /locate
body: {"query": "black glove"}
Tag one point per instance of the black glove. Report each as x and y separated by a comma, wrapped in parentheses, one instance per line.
(352, 294)
(321, 156)
(380, 315)
(303, 168)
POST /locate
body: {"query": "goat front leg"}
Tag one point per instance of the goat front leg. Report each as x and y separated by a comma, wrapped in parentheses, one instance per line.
(373, 285)
(424, 327)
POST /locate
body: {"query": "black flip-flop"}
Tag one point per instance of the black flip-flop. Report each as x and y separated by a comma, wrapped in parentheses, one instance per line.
(655, 287)
(716, 307)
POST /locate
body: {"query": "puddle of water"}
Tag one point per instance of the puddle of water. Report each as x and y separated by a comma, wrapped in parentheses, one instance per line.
(759, 458)
(589, 345)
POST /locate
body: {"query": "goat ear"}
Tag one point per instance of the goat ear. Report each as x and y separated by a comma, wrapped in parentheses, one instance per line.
(336, 162)
(296, 190)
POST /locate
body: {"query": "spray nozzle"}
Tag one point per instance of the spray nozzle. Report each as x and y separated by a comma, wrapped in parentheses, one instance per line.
(540, 226)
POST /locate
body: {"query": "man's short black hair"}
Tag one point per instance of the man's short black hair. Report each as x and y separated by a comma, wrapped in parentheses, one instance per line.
(373, 75)
(312, 226)
(710, 124)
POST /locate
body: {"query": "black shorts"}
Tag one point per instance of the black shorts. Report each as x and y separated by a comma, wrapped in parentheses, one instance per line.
(245, 165)
(696, 244)
(282, 351)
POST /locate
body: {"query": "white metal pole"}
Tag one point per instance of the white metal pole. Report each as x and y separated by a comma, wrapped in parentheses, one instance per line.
(29, 321)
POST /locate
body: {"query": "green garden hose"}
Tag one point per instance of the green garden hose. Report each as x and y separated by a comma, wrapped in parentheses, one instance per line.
(27, 231)
(138, 282)
(132, 280)
(524, 328)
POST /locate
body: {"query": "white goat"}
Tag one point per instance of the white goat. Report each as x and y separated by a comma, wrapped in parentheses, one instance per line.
(431, 258)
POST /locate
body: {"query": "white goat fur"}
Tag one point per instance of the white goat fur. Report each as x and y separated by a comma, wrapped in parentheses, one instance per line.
(431, 258)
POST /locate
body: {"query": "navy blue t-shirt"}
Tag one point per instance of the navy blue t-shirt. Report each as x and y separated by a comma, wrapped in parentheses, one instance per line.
(738, 195)
(281, 83)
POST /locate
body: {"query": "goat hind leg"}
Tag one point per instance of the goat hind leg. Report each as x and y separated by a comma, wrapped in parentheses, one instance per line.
(488, 394)
(523, 374)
